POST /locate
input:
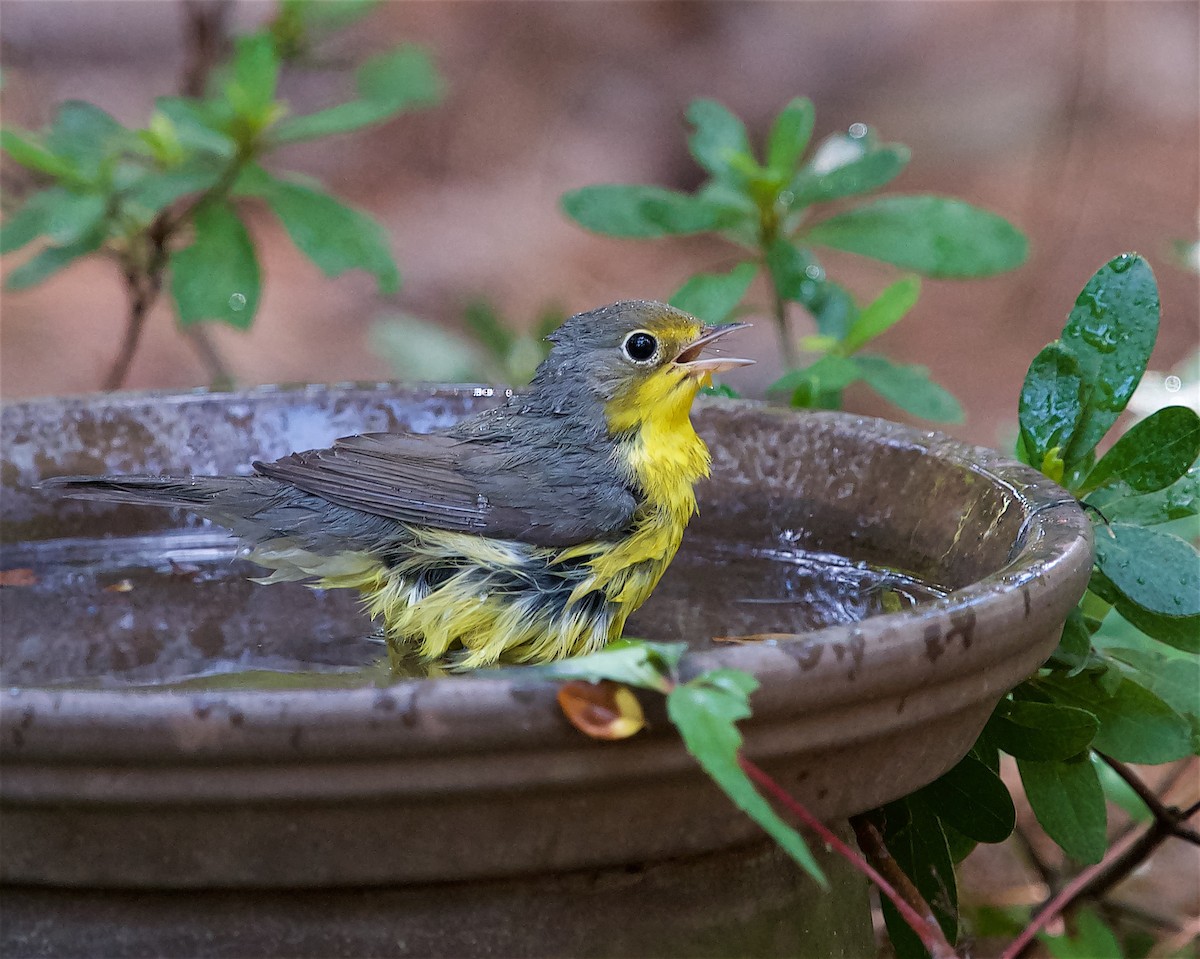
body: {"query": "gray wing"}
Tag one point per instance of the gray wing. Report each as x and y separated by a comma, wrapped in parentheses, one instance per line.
(546, 497)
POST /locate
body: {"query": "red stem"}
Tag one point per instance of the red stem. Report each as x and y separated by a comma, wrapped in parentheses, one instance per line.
(928, 932)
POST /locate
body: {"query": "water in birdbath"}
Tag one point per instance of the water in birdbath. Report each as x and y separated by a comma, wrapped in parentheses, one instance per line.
(179, 610)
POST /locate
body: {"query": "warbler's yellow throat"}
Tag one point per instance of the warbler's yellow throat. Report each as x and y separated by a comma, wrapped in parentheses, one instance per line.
(523, 534)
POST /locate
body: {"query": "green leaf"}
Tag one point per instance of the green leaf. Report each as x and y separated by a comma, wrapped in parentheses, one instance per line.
(932, 235)
(254, 75)
(718, 137)
(797, 276)
(400, 80)
(1153, 569)
(910, 388)
(84, 135)
(32, 155)
(638, 663)
(335, 237)
(1050, 406)
(485, 323)
(830, 373)
(1153, 454)
(1136, 726)
(217, 277)
(1174, 679)
(1178, 501)
(868, 172)
(64, 216)
(921, 850)
(639, 211)
(1068, 802)
(972, 799)
(52, 259)
(195, 129)
(154, 191)
(1181, 632)
(1043, 732)
(1111, 332)
(705, 711)
(883, 312)
(1074, 646)
(1091, 940)
(789, 136)
(712, 296)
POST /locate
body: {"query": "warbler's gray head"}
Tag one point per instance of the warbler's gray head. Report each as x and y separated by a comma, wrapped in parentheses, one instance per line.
(635, 355)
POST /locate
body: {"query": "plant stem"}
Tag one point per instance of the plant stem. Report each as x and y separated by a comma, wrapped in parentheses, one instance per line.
(919, 917)
(1122, 859)
(142, 294)
(786, 347)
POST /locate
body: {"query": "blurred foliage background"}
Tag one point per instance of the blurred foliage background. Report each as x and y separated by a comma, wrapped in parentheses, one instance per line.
(1077, 122)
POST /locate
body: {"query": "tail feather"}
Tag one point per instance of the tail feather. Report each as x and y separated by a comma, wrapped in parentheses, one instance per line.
(188, 492)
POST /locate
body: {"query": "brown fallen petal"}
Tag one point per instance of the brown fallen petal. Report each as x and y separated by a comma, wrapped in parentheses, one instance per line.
(120, 586)
(603, 710)
(754, 638)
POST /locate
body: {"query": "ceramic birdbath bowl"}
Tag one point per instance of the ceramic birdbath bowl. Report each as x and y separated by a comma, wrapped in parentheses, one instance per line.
(197, 765)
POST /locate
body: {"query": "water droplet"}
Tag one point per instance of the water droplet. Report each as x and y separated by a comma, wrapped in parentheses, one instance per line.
(814, 272)
(786, 197)
(237, 302)
(858, 130)
(1172, 384)
(1122, 263)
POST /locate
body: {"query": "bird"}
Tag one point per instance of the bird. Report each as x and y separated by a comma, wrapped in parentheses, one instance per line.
(526, 533)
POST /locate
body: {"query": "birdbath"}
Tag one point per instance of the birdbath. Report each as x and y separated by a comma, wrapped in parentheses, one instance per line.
(197, 765)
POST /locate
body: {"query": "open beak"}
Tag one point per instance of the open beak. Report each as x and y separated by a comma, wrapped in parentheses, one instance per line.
(690, 359)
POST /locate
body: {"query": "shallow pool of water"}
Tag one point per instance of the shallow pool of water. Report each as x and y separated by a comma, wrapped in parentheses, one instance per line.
(179, 610)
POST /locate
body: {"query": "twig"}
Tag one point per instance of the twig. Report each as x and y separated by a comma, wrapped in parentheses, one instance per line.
(1170, 818)
(786, 347)
(919, 918)
(1122, 859)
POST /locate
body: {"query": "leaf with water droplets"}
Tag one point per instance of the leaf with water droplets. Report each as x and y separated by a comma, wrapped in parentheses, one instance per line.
(1153, 454)
(1182, 632)
(217, 277)
(1178, 501)
(1111, 332)
(1155, 570)
(1050, 406)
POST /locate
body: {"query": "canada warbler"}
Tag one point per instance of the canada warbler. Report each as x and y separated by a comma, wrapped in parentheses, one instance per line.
(525, 533)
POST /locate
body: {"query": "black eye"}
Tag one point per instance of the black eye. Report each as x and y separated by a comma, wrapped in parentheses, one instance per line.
(640, 346)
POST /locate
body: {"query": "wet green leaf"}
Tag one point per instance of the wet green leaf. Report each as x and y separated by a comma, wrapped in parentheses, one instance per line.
(873, 169)
(52, 259)
(1042, 731)
(1174, 679)
(1136, 726)
(25, 150)
(334, 236)
(972, 799)
(1050, 406)
(1155, 570)
(910, 388)
(646, 665)
(882, 313)
(1111, 332)
(789, 136)
(1153, 454)
(1178, 501)
(402, 79)
(1074, 646)
(217, 276)
(713, 296)
(1181, 632)
(705, 711)
(934, 236)
(639, 211)
(1068, 802)
(718, 137)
